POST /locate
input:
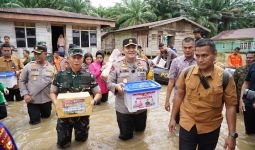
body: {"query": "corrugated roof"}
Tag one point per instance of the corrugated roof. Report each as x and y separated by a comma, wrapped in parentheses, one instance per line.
(162, 22)
(51, 12)
(236, 34)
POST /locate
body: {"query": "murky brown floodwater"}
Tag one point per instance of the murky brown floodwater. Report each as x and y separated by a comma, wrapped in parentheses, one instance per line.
(104, 130)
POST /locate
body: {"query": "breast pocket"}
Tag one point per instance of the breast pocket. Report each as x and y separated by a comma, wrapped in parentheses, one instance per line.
(48, 76)
(215, 96)
(191, 92)
(123, 76)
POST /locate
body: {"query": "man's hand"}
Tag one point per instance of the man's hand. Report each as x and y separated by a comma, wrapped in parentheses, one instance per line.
(171, 126)
(167, 106)
(6, 91)
(27, 98)
(230, 143)
(120, 88)
(241, 106)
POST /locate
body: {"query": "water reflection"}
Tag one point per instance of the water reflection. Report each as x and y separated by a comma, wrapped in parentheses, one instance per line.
(104, 131)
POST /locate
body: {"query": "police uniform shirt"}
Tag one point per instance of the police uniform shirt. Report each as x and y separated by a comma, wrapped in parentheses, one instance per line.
(35, 80)
(123, 72)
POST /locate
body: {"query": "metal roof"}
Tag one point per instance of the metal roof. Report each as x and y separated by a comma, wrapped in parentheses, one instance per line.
(236, 34)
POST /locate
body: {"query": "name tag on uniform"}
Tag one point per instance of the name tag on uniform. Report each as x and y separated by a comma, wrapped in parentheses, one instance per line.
(141, 74)
(35, 73)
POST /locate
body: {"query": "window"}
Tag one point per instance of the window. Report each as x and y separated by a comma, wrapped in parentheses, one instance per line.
(76, 37)
(84, 39)
(84, 36)
(93, 38)
(25, 35)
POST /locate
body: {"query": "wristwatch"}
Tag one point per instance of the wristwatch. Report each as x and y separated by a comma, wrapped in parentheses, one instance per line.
(233, 135)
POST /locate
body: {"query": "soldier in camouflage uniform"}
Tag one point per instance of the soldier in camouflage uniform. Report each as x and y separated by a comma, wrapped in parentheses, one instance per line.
(128, 69)
(240, 75)
(74, 79)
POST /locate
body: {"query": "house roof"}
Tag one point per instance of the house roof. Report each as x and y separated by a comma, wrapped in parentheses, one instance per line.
(236, 34)
(163, 22)
(50, 12)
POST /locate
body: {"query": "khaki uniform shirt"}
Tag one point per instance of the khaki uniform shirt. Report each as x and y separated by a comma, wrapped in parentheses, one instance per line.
(12, 64)
(123, 71)
(203, 107)
(35, 80)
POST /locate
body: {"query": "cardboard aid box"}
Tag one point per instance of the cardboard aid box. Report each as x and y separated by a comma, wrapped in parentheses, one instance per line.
(141, 95)
(74, 104)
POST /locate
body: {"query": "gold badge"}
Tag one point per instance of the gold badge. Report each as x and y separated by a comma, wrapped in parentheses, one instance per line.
(130, 41)
(125, 80)
(34, 78)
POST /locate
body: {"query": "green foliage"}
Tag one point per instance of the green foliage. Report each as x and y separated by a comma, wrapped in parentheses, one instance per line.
(217, 15)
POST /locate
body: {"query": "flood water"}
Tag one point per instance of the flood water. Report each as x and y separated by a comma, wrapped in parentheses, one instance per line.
(103, 133)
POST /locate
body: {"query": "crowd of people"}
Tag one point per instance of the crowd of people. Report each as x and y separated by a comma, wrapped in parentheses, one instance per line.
(201, 88)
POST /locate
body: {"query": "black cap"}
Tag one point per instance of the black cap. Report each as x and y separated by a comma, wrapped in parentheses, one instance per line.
(39, 49)
(197, 30)
(129, 41)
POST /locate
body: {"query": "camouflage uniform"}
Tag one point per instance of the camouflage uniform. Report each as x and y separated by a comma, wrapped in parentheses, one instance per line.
(239, 77)
(68, 81)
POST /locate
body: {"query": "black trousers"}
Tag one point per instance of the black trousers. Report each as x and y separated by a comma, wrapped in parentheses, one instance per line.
(38, 111)
(14, 93)
(3, 111)
(104, 97)
(128, 123)
(65, 127)
(190, 140)
(249, 120)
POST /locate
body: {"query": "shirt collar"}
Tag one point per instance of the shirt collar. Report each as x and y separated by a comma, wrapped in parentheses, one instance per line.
(8, 59)
(190, 60)
(214, 73)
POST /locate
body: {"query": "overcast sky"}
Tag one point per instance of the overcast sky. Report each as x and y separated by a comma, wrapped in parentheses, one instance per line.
(104, 3)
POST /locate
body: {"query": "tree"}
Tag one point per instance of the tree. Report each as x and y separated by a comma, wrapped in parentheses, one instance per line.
(78, 6)
(165, 9)
(55, 4)
(220, 15)
(133, 12)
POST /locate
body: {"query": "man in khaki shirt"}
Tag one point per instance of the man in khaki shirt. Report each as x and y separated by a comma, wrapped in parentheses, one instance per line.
(9, 63)
(200, 98)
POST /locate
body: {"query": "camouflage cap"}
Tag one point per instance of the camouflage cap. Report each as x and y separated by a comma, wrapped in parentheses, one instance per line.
(39, 49)
(41, 43)
(75, 51)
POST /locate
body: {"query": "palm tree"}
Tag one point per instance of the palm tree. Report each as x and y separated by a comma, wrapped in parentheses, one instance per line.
(165, 9)
(219, 15)
(78, 6)
(55, 4)
(134, 12)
